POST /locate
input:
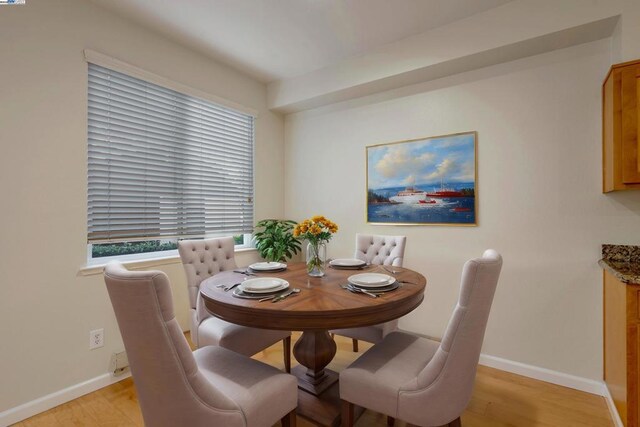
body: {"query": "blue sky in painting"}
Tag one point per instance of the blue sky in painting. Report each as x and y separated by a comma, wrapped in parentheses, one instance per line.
(425, 161)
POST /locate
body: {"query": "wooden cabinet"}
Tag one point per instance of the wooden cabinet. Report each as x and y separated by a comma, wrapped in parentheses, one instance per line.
(620, 120)
(621, 346)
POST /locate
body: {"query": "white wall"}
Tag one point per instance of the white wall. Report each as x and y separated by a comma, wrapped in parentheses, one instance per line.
(46, 308)
(540, 201)
(629, 42)
(514, 30)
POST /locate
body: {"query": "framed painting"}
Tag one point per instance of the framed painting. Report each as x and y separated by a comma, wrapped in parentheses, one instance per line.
(427, 181)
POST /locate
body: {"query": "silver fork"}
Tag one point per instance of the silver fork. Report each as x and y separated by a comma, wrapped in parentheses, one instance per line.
(280, 297)
(245, 272)
(392, 271)
(360, 291)
(292, 292)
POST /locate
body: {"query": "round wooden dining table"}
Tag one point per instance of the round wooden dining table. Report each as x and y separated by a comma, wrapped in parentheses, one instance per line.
(320, 306)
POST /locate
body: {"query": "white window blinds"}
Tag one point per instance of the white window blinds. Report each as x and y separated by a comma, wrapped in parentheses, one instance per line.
(163, 164)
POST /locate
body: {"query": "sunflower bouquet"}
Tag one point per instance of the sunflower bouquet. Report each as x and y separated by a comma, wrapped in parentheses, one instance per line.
(317, 231)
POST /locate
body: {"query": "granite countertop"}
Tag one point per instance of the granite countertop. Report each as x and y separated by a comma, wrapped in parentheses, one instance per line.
(623, 261)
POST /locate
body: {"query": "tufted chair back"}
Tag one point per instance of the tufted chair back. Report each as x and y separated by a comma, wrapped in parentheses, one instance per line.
(421, 381)
(204, 258)
(171, 389)
(377, 249)
(446, 382)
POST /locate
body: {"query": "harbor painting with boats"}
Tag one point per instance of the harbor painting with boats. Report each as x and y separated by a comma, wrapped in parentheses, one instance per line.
(423, 181)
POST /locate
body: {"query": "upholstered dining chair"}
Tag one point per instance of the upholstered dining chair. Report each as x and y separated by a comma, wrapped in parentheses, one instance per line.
(421, 381)
(380, 250)
(202, 259)
(211, 386)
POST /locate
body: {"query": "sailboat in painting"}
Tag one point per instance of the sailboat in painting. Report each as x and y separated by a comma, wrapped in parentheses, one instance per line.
(445, 192)
(423, 181)
(411, 195)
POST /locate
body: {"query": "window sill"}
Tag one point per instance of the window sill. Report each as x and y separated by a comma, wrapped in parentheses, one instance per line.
(139, 264)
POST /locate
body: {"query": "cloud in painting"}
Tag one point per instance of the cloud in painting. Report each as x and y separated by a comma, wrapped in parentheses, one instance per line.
(452, 142)
(422, 162)
(398, 162)
(446, 168)
(468, 171)
(452, 169)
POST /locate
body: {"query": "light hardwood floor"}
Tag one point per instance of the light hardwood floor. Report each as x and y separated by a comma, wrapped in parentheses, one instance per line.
(499, 399)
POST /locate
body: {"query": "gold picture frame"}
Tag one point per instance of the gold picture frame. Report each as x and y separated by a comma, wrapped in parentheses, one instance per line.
(423, 181)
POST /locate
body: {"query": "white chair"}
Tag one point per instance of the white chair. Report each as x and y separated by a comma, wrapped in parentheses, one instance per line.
(212, 386)
(202, 259)
(421, 381)
(380, 250)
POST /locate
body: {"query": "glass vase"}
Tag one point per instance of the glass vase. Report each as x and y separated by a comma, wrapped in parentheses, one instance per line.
(316, 259)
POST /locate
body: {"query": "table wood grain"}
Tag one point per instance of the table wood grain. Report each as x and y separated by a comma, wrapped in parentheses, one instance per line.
(321, 305)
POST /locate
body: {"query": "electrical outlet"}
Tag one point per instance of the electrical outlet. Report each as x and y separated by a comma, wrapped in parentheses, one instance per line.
(96, 339)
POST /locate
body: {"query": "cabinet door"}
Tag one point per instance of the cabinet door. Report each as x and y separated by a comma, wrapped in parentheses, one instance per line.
(638, 115)
(629, 124)
(615, 342)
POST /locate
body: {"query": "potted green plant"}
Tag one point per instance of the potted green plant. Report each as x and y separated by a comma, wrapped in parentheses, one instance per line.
(275, 241)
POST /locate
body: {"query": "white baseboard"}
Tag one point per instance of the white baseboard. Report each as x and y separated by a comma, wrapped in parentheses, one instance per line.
(49, 401)
(543, 374)
(615, 416)
(44, 403)
(555, 377)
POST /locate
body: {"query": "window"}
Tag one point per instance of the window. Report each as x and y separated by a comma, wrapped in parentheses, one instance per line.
(163, 166)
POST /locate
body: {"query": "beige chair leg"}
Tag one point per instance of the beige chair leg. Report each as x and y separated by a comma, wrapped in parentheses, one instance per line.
(286, 346)
(355, 345)
(289, 420)
(347, 414)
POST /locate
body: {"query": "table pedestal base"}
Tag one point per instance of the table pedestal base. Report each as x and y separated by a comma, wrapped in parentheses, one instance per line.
(314, 350)
(315, 386)
(323, 410)
(318, 394)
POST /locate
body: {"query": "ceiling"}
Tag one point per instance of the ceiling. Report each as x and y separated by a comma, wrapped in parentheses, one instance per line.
(279, 39)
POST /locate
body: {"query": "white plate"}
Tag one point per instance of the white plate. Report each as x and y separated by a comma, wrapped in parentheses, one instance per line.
(347, 262)
(263, 285)
(267, 266)
(371, 280)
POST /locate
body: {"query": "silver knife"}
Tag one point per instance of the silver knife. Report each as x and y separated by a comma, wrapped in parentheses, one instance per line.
(228, 288)
(281, 297)
(363, 291)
